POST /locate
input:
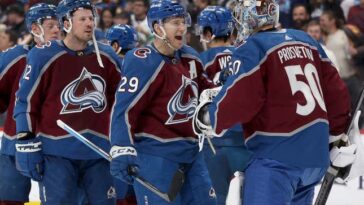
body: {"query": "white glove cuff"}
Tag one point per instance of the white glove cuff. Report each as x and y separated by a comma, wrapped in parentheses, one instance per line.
(118, 151)
(334, 138)
(29, 147)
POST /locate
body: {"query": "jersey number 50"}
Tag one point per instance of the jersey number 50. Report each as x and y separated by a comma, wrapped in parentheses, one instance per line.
(311, 91)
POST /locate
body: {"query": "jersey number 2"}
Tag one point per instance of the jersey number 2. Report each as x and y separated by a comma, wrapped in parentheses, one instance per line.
(311, 91)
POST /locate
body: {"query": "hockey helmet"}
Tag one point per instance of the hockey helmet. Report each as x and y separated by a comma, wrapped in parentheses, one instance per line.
(218, 18)
(162, 9)
(65, 9)
(39, 12)
(125, 35)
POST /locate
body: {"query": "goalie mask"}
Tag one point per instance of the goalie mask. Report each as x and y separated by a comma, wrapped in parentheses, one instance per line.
(251, 15)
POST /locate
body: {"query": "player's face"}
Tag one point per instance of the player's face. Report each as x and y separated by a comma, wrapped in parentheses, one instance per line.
(175, 29)
(51, 29)
(83, 24)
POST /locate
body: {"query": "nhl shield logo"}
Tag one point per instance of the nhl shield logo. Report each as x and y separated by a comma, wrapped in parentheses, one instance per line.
(87, 91)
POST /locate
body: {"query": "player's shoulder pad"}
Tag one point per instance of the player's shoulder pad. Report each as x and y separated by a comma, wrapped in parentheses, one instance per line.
(15, 51)
(189, 52)
(12, 54)
(307, 39)
(41, 55)
(144, 59)
(108, 51)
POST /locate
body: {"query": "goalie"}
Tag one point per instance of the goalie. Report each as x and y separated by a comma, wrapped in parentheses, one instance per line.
(284, 91)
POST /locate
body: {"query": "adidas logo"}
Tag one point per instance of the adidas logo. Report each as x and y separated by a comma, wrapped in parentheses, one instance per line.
(287, 38)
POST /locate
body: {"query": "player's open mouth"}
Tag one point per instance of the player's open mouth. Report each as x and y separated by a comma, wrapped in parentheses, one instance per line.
(178, 38)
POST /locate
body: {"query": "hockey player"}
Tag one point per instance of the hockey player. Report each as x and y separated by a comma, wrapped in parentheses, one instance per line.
(123, 38)
(215, 25)
(41, 22)
(285, 91)
(151, 120)
(74, 81)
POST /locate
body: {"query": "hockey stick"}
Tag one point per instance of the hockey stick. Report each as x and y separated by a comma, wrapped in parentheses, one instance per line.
(177, 180)
(332, 172)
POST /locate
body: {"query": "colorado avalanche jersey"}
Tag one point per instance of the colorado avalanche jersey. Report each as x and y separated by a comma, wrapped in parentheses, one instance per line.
(155, 103)
(59, 83)
(287, 94)
(12, 64)
(215, 61)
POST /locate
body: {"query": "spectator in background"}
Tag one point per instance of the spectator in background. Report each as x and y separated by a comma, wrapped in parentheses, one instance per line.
(314, 30)
(356, 47)
(300, 16)
(139, 21)
(15, 19)
(106, 21)
(122, 18)
(8, 38)
(194, 10)
(356, 16)
(319, 6)
(337, 41)
(346, 5)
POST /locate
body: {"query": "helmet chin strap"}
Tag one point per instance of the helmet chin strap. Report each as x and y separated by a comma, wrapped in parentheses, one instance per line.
(164, 38)
(98, 56)
(41, 35)
(68, 30)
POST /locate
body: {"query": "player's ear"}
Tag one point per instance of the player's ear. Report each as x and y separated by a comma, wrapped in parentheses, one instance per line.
(157, 29)
(207, 35)
(115, 46)
(36, 29)
(66, 24)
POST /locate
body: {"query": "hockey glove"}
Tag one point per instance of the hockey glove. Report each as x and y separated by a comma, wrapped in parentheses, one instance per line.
(357, 167)
(28, 156)
(201, 120)
(344, 155)
(123, 161)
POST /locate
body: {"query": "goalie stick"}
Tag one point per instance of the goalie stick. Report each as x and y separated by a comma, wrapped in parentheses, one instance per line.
(177, 180)
(332, 172)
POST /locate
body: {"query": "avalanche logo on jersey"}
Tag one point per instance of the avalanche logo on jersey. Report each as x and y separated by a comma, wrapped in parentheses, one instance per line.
(87, 91)
(182, 105)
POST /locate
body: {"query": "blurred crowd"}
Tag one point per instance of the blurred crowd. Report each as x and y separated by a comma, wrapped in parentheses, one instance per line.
(338, 25)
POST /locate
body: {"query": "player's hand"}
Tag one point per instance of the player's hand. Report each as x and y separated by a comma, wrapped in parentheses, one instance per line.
(344, 155)
(28, 156)
(123, 158)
